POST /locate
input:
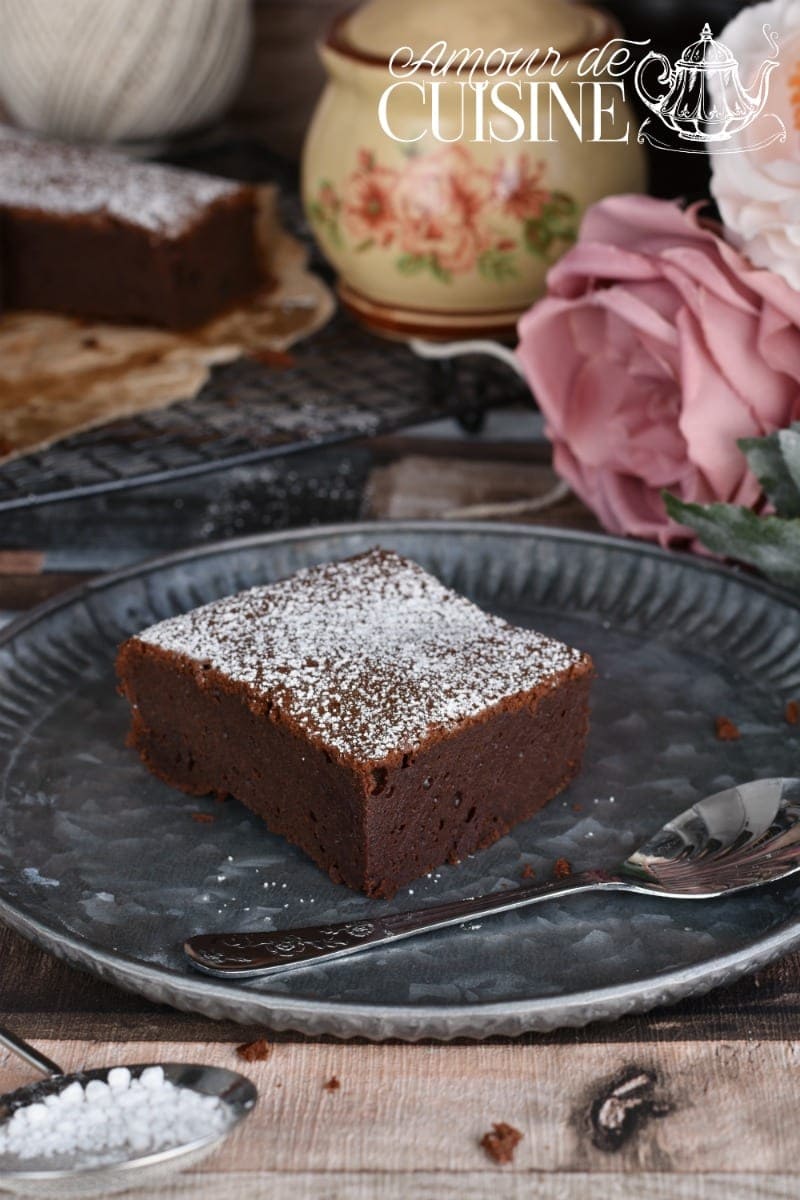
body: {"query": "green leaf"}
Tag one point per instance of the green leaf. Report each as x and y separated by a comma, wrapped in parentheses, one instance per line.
(563, 203)
(496, 265)
(556, 222)
(326, 221)
(775, 461)
(790, 448)
(410, 264)
(537, 236)
(438, 271)
(560, 213)
(772, 544)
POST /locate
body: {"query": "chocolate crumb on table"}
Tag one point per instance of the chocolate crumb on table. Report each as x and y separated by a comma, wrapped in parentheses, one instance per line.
(528, 872)
(562, 868)
(254, 1051)
(501, 1142)
(726, 730)
(332, 1085)
(792, 712)
(203, 818)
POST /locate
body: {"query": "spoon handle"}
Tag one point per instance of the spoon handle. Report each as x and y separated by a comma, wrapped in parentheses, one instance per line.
(40, 1062)
(266, 953)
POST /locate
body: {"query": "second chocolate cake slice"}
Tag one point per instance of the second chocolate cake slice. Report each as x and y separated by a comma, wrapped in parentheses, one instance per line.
(375, 718)
(88, 232)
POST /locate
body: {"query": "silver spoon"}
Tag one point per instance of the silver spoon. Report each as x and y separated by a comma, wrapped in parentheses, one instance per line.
(740, 838)
(64, 1177)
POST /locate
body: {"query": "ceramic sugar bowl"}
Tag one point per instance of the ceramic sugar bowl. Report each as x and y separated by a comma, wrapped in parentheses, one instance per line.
(454, 150)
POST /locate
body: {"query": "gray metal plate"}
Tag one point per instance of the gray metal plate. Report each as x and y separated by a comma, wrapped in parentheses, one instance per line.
(103, 865)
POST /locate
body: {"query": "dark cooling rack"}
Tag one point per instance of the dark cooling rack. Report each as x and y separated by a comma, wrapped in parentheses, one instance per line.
(341, 384)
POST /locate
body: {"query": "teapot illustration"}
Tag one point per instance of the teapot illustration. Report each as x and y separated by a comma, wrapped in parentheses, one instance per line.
(705, 100)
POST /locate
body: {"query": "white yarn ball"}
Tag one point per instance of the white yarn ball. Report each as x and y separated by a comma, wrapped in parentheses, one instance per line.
(115, 70)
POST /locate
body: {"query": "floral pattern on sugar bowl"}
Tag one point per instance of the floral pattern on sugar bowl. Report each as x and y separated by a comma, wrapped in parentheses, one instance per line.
(442, 214)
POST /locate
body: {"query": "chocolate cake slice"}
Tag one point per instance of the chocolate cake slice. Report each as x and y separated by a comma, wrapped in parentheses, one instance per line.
(373, 717)
(90, 233)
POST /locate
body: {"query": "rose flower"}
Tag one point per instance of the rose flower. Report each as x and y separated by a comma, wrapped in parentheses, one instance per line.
(756, 174)
(658, 346)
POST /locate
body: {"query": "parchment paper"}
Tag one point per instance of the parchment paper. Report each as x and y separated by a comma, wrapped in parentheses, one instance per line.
(59, 375)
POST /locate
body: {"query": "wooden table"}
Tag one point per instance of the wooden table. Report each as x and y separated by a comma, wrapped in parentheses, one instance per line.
(692, 1101)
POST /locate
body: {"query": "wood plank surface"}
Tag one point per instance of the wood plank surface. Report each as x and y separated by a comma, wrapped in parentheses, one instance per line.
(22, 591)
(469, 1185)
(708, 1110)
(424, 487)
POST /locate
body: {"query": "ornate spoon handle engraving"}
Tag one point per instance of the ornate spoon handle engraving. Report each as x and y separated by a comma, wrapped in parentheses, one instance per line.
(245, 954)
(258, 953)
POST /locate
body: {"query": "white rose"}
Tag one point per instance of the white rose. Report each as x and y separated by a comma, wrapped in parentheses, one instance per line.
(758, 189)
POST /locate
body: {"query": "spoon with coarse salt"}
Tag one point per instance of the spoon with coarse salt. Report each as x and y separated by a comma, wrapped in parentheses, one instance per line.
(107, 1130)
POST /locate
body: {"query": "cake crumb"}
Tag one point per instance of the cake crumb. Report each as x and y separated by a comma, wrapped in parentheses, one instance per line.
(562, 868)
(254, 1051)
(792, 712)
(274, 358)
(332, 1085)
(528, 872)
(726, 729)
(577, 808)
(203, 818)
(501, 1142)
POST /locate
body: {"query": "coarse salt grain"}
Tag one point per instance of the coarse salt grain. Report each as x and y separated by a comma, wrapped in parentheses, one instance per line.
(104, 1122)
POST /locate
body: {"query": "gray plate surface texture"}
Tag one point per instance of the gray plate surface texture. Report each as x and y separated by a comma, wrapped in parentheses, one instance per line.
(102, 865)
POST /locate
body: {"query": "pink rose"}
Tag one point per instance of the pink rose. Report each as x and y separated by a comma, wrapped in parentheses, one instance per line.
(657, 346)
(440, 202)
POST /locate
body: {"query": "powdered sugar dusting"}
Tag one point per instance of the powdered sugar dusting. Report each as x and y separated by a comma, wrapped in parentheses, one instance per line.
(370, 654)
(75, 181)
